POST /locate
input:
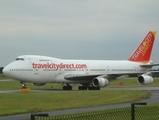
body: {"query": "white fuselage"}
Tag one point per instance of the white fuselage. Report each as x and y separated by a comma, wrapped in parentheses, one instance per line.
(42, 69)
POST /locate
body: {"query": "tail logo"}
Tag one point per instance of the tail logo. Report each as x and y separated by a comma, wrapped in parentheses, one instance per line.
(147, 43)
(142, 53)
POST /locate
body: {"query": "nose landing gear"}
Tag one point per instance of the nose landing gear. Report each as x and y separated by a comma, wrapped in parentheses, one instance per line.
(24, 89)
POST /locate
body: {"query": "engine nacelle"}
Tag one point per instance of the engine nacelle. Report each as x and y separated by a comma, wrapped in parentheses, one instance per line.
(100, 82)
(145, 79)
(38, 84)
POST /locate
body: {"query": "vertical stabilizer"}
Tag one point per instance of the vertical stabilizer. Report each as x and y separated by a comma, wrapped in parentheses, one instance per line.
(143, 51)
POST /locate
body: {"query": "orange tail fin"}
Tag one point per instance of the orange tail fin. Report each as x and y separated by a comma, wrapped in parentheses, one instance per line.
(143, 51)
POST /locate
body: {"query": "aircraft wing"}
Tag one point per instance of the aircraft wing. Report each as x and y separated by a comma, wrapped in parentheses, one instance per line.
(83, 77)
(153, 73)
(110, 76)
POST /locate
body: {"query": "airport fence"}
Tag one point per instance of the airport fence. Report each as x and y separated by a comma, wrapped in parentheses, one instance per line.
(136, 112)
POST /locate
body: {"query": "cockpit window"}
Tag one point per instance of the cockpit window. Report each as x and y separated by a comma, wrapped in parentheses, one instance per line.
(19, 59)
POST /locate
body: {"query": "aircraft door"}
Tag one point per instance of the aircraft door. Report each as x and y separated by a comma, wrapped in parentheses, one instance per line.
(35, 71)
(108, 69)
(60, 70)
(87, 71)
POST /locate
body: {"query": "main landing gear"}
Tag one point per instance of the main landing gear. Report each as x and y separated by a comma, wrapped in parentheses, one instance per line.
(83, 87)
(88, 87)
(67, 87)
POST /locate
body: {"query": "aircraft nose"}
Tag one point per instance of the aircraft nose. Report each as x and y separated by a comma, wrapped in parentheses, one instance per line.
(6, 71)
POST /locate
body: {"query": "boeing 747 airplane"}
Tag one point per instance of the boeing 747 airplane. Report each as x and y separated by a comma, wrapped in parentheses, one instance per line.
(91, 74)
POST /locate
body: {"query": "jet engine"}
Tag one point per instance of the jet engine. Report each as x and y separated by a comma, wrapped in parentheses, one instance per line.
(38, 84)
(100, 82)
(145, 79)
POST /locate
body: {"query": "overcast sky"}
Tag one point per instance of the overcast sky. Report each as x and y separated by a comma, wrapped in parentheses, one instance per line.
(76, 29)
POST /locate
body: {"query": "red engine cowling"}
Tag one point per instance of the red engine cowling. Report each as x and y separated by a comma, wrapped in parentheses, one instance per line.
(145, 79)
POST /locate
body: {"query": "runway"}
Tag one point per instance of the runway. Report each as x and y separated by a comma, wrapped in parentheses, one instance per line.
(133, 88)
(52, 90)
(154, 98)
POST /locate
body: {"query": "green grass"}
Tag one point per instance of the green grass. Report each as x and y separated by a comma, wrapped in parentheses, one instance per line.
(127, 82)
(3, 76)
(149, 112)
(16, 85)
(14, 103)
(132, 82)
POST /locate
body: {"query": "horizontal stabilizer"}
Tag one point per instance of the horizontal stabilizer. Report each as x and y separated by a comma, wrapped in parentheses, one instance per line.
(151, 65)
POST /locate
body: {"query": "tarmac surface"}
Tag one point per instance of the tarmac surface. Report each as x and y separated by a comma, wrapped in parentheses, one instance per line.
(154, 98)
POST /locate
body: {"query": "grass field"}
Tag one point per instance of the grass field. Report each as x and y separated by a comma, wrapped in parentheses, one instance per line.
(44, 101)
(127, 82)
(3, 76)
(149, 112)
(14, 103)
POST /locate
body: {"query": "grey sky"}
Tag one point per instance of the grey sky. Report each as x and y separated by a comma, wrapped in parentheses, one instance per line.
(76, 29)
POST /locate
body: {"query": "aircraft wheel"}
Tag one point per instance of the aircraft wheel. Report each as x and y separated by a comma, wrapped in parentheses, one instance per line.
(90, 88)
(64, 87)
(94, 88)
(80, 88)
(84, 88)
(69, 87)
(98, 88)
